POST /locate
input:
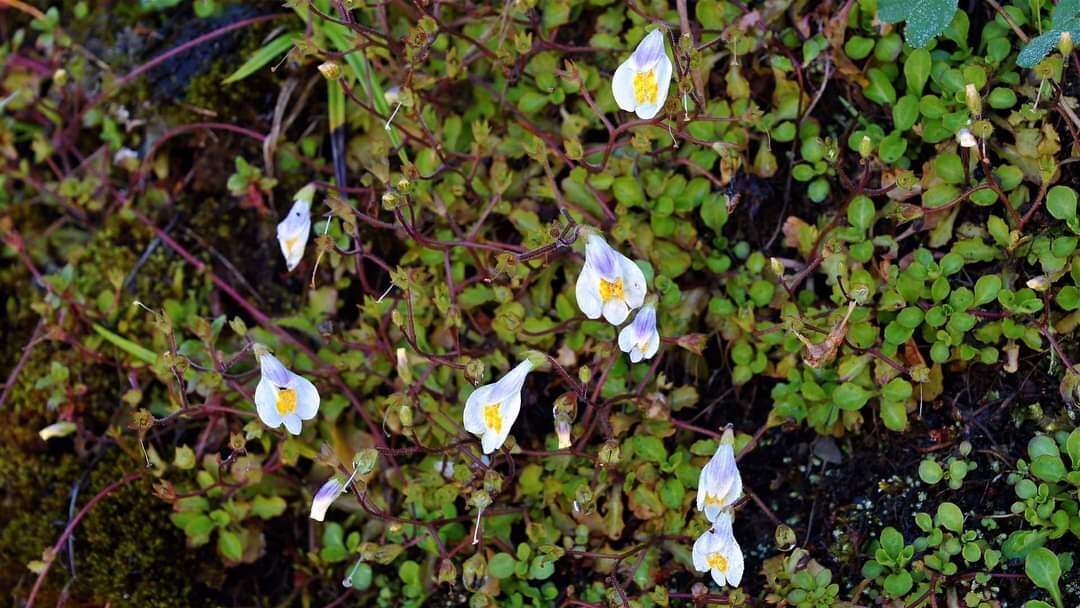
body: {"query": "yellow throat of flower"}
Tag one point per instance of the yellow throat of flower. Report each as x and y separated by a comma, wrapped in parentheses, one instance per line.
(717, 561)
(611, 291)
(290, 244)
(493, 417)
(645, 87)
(286, 401)
(712, 500)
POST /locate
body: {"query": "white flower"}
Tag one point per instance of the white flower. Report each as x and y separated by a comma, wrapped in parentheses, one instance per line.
(720, 483)
(641, 83)
(325, 497)
(491, 410)
(293, 231)
(610, 284)
(965, 138)
(716, 551)
(640, 339)
(282, 396)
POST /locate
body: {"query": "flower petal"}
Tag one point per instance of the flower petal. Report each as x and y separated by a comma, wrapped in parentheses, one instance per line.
(602, 258)
(622, 87)
(293, 423)
(616, 311)
(654, 345)
(627, 338)
(266, 403)
(587, 292)
(633, 281)
(272, 370)
(327, 494)
(649, 50)
(473, 417)
(307, 397)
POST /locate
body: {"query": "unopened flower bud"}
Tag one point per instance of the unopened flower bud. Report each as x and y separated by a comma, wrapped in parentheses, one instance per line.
(609, 452)
(1065, 43)
(364, 461)
(405, 415)
(474, 371)
(330, 70)
(474, 572)
(866, 146)
(404, 185)
(785, 537)
(447, 572)
(493, 482)
(389, 201)
(973, 100)
(60, 77)
(562, 430)
(1039, 283)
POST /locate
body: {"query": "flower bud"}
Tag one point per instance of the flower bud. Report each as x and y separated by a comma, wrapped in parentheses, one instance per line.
(364, 461)
(405, 415)
(1039, 283)
(562, 430)
(389, 201)
(474, 371)
(973, 100)
(447, 573)
(609, 453)
(785, 537)
(330, 70)
(493, 482)
(1065, 43)
(866, 146)
(474, 572)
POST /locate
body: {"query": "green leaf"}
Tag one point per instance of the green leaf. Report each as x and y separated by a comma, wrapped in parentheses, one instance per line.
(1037, 48)
(861, 212)
(894, 415)
(1043, 568)
(925, 18)
(850, 396)
(267, 507)
(930, 471)
(917, 71)
(950, 516)
(650, 448)
(230, 545)
(502, 565)
(1061, 202)
(262, 57)
(987, 288)
(135, 350)
(1048, 468)
(898, 584)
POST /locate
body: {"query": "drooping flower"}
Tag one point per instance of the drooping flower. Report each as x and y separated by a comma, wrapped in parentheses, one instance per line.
(327, 494)
(640, 84)
(640, 339)
(717, 552)
(491, 410)
(293, 231)
(610, 284)
(281, 396)
(720, 484)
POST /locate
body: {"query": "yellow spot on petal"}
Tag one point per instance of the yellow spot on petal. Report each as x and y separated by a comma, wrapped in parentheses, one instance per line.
(286, 401)
(493, 417)
(290, 244)
(645, 87)
(717, 561)
(712, 500)
(611, 291)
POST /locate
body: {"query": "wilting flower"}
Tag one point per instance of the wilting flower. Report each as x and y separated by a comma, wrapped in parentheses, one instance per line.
(640, 84)
(610, 284)
(717, 552)
(640, 339)
(326, 496)
(293, 231)
(965, 138)
(492, 409)
(720, 483)
(283, 397)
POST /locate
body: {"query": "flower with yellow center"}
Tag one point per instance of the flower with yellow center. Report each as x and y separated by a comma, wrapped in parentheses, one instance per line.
(640, 339)
(717, 552)
(281, 396)
(640, 85)
(610, 284)
(293, 231)
(491, 410)
(720, 484)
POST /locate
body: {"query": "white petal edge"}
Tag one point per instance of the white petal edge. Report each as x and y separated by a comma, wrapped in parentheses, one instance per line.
(266, 403)
(622, 87)
(588, 294)
(307, 397)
